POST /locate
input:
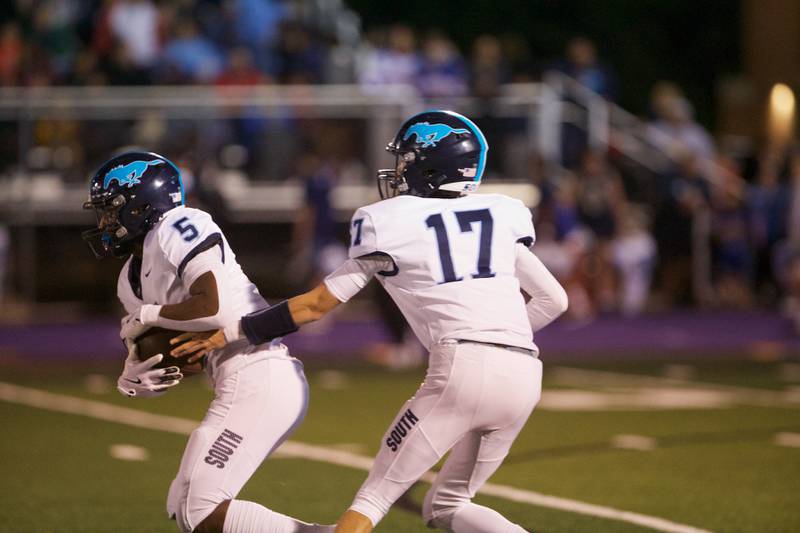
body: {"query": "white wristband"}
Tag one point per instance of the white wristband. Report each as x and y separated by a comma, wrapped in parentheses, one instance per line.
(233, 331)
(148, 314)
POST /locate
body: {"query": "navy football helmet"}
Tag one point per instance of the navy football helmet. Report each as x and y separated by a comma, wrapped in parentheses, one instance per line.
(129, 194)
(437, 153)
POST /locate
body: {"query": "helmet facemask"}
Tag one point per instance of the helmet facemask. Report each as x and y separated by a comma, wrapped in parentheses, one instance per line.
(115, 214)
(392, 181)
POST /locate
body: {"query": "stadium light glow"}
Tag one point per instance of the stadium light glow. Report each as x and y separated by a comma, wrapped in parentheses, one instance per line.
(781, 113)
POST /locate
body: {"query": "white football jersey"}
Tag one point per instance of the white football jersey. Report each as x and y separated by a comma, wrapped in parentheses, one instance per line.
(454, 275)
(157, 278)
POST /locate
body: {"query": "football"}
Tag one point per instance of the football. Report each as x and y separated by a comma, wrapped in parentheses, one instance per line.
(156, 340)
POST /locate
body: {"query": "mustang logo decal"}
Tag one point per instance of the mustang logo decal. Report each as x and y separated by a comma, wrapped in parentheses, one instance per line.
(430, 134)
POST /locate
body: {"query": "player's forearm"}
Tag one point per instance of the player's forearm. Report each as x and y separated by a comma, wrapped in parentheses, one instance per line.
(548, 299)
(543, 308)
(204, 310)
(312, 305)
(286, 317)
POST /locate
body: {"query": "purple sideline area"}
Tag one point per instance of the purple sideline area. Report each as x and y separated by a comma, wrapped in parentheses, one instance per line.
(711, 334)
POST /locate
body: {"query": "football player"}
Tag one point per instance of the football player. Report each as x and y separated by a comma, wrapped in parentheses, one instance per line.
(454, 263)
(181, 274)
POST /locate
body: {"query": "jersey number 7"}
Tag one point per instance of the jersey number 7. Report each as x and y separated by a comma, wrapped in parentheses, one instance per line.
(465, 221)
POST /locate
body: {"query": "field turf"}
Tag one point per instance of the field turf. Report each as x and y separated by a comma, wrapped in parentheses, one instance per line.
(709, 444)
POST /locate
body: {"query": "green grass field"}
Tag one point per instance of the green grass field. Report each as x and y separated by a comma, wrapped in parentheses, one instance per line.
(711, 445)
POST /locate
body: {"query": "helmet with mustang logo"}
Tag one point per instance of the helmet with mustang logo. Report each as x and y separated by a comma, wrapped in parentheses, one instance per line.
(437, 153)
(129, 194)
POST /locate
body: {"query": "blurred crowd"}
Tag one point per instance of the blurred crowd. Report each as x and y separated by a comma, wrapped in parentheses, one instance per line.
(142, 42)
(712, 228)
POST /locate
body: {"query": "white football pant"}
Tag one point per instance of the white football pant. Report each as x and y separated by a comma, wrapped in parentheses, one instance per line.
(475, 400)
(257, 405)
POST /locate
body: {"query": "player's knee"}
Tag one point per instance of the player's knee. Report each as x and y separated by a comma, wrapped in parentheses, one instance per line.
(200, 515)
(440, 506)
(191, 500)
(214, 522)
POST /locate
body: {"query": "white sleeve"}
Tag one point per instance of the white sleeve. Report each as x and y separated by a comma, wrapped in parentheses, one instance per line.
(207, 261)
(522, 223)
(129, 301)
(548, 298)
(354, 274)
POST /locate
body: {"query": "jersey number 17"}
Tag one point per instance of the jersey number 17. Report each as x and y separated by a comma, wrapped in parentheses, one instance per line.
(465, 219)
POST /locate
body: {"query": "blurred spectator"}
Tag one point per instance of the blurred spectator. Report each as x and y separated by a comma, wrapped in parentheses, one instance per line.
(241, 70)
(517, 52)
(190, 56)
(120, 68)
(767, 206)
(733, 261)
(442, 71)
(11, 48)
(633, 253)
(580, 62)
(54, 34)
(396, 62)
(4, 259)
(786, 260)
(562, 243)
(315, 243)
(601, 199)
(135, 24)
(793, 214)
(300, 59)
(87, 70)
(685, 195)
(246, 125)
(256, 26)
(489, 69)
(674, 129)
(600, 194)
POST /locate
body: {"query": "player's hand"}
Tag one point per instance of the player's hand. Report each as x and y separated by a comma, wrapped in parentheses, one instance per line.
(139, 378)
(132, 327)
(197, 344)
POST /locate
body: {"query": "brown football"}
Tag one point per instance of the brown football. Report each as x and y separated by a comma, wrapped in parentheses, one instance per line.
(156, 340)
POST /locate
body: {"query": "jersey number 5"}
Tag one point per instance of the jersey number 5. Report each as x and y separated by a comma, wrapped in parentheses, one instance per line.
(465, 220)
(187, 229)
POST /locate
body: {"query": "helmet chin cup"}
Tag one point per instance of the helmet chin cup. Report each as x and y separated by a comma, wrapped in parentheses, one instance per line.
(102, 246)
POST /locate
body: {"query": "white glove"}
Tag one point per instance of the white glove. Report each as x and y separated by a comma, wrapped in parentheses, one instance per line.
(132, 327)
(141, 380)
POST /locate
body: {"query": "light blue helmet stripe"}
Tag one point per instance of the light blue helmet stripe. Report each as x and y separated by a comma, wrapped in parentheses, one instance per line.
(481, 140)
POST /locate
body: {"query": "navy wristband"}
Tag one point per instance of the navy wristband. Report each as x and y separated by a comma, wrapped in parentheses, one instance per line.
(270, 323)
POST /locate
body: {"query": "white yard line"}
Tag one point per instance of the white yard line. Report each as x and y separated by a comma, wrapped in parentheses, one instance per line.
(742, 395)
(133, 417)
(790, 440)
